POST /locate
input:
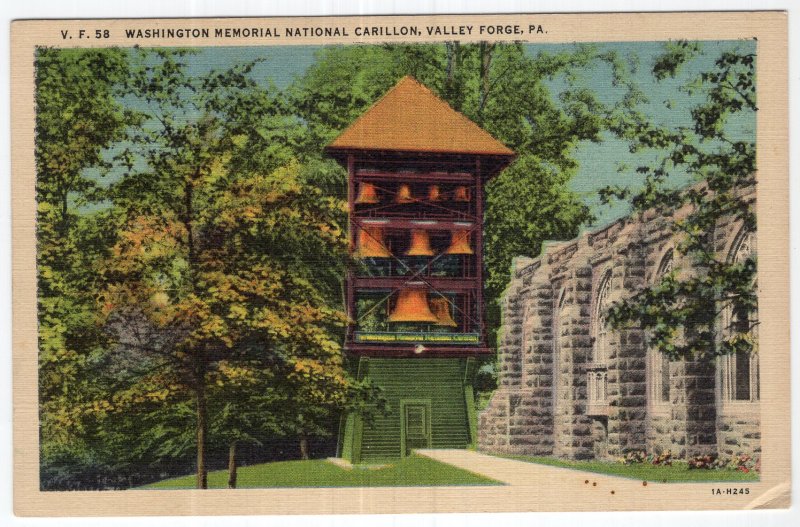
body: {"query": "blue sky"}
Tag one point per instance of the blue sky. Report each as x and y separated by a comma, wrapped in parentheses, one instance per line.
(610, 162)
(601, 164)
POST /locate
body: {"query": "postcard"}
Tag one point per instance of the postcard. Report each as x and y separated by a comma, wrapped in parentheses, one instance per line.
(401, 264)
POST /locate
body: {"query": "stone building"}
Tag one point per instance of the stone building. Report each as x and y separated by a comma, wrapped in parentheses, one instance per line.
(572, 388)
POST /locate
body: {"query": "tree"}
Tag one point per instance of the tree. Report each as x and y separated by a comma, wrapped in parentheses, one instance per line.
(228, 268)
(244, 403)
(78, 117)
(723, 167)
(281, 221)
(210, 250)
(204, 272)
(527, 189)
(318, 390)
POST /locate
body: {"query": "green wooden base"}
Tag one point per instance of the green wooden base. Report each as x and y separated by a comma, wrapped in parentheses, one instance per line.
(430, 405)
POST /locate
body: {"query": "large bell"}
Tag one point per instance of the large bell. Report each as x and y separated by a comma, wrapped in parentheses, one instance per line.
(461, 194)
(434, 193)
(371, 243)
(459, 243)
(412, 306)
(420, 244)
(441, 308)
(367, 194)
(404, 194)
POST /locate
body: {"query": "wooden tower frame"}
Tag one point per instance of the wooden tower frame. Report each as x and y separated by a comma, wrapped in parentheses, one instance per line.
(425, 166)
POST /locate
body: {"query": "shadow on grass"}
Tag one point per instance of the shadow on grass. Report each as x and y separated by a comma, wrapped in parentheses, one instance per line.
(413, 471)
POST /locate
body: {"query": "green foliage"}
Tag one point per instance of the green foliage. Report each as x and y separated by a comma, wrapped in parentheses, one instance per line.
(675, 55)
(346, 80)
(528, 189)
(198, 316)
(77, 117)
(215, 252)
(681, 311)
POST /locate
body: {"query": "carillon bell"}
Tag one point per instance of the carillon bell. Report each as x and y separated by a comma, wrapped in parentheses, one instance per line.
(434, 193)
(461, 194)
(404, 194)
(441, 308)
(371, 243)
(412, 306)
(459, 243)
(367, 194)
(420, 244)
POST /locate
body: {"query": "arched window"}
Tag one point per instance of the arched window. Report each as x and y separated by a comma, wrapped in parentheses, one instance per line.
(602, 303)
(557, 324)
(658, 392)
(597, 372)
(739, 371)
(526, 329)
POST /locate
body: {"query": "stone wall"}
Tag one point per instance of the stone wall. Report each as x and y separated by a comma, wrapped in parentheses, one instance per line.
(555, 396)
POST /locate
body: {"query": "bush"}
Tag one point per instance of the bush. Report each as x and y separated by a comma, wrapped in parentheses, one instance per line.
(703, 462)
(634, 456)
(741, 462)
(663, 459)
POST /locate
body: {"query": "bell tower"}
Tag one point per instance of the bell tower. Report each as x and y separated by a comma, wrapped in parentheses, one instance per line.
(416, 176)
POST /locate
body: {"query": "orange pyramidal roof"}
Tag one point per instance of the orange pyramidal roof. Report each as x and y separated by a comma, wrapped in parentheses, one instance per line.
(411, 118)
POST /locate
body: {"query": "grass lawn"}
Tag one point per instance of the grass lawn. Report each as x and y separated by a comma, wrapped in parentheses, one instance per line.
(677, 472)
(408, 472)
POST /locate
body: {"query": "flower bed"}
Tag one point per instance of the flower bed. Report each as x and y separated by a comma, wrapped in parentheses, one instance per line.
(742, 462)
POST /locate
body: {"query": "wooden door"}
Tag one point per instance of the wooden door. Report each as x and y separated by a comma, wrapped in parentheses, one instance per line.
(416, 420)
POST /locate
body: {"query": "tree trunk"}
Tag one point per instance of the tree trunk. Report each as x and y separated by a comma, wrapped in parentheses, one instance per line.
(453, 64)
(63, 224)
(232, 466)
(450, 69)
(303, 446)
(202, 420)
(199, 355)
(485, 82)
